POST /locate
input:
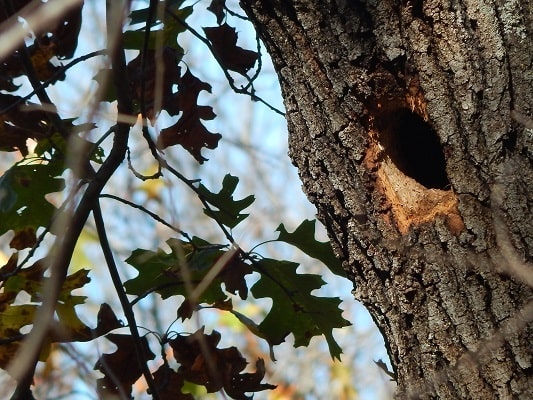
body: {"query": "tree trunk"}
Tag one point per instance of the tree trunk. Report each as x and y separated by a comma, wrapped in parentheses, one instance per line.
(410, 124)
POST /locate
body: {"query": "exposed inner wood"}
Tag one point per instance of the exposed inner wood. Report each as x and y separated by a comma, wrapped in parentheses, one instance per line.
(426, 195)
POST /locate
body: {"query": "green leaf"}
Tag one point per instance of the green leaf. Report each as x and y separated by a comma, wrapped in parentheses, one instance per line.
(229, 210)
(134, 40)
(294, 309)
(140, 16)
(167, 273)
(71, 326)
(103, 78)
(254, 328)
(304, 239)
(156, 273)
(15, 317)
(74, 144)
(22, 195)
(172, 27)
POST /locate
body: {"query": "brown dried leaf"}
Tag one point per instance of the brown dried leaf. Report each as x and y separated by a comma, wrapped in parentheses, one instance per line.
(106, 321)
(40, 55)
(65, 33)
(121, 369)
(59, 39)
(169, 383)
(171, 76)
(19, 124)
(217, 8)
(189, 131)
(9, 267)
(204, 364)
(233, 276)
(23, 239)
(224, 41)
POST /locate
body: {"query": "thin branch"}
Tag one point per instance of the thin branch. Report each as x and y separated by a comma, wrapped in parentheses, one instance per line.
(11, 339)
(235, 14)
(148, 27)
(146, 211)
(54, 78)
(123, 298)
(153, 150)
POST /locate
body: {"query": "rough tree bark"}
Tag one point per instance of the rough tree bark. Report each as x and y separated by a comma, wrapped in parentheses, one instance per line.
(410, 124)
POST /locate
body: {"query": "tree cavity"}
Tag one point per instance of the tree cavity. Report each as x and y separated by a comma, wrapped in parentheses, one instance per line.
(414, 147)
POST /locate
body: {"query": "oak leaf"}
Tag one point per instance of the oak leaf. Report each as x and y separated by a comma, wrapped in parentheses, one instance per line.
(189, 132)
(203, 363)
(121, 369)
(224, 41)
(217, 8)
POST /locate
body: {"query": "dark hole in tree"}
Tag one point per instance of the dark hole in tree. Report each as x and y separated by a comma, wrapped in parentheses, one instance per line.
(409, 321)
(413, 146)
(410, 296)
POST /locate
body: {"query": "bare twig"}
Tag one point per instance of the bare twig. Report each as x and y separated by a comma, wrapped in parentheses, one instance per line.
(146, 211)
(54, 78)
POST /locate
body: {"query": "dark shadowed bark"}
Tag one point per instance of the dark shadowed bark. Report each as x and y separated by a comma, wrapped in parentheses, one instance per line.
(411, 126)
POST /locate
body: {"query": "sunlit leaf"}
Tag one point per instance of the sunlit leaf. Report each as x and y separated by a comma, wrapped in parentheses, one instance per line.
(166, 273)
(229, 210)
(22, 196)
(68, 326)
(304, 239)
(294, 309)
